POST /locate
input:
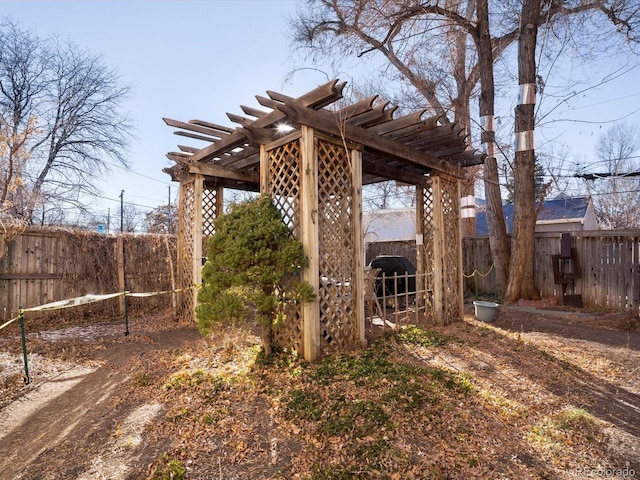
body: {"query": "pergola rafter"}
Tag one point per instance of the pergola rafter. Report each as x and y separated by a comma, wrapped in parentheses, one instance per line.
(314, 169)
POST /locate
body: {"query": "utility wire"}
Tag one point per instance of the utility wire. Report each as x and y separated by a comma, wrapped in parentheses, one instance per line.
(594, 176)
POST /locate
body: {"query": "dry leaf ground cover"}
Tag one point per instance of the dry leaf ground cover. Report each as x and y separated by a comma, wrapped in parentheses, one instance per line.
(534, 395)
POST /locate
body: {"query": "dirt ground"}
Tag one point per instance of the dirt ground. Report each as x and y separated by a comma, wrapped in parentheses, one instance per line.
(92, 412)
(71, 420)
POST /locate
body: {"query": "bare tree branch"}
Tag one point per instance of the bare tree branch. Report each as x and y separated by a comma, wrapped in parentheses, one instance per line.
(77, 101)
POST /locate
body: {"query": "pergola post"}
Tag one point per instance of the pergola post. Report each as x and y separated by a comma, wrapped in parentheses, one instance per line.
(460, 269)
(448, 299)
(420, 250)
(197, 238)
(264, 170)
(219, 201)
(309, 236)
(438, 251)
(358, 274)
(189, 243)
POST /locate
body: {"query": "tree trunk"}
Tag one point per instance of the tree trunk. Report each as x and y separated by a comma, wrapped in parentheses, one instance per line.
(462, 109)
(521, 278)
(267, 339)
(498, 241)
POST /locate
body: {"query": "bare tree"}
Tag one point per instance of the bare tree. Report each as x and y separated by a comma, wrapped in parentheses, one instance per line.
(130, 217)
(12, 160)
(162, 219)
(423, 64)
(498, 242)
(232, 197)
(388, 194)
(616, 187)
(521, 276)
(556, 176)
(76, 101)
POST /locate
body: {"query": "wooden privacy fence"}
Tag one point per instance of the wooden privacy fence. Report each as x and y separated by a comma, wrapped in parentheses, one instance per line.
(44, 266)
(609, 263)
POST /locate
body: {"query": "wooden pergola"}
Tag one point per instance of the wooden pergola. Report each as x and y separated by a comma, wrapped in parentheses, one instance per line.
(312, 157)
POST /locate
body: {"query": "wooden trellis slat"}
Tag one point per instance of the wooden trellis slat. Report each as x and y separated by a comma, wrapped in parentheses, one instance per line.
(452, 262)
(185, 246)
(284, 187)
(336, 248)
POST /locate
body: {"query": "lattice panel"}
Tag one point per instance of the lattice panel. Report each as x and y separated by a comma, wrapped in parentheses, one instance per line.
(288, 336)
(209, 214)
(451, 246)
(284, 183)
(428, 245)
(284, 188)
(209, 210)
(186, 234)
(338, 329)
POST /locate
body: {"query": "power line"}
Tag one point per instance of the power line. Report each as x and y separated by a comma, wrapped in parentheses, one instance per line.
(129, 203)
(595, 176)
(128, 170)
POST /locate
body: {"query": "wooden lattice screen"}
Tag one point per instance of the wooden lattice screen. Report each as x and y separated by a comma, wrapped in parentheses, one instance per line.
(338, 327)
(199, 202)
(284, 183)
(210, 211)
(186, 242)
(451, 254)
(336, 241)
(439, 255)
(212, 206)
(285, 190)
(425, 252)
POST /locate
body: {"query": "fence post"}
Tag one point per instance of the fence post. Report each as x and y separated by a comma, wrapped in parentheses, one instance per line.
(121, 278)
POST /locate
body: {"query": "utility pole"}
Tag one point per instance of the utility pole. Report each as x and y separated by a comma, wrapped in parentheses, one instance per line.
(121, 211)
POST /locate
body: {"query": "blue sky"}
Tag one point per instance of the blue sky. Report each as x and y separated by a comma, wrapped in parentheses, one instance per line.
(185, 59)
(189, 59)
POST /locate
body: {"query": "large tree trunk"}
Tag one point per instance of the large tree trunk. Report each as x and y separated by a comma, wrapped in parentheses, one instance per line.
(521, 278)
(462, 110)
(498, 241)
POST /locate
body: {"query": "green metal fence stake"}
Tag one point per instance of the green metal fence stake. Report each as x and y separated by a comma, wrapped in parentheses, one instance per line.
(27, 378)
(126, 316)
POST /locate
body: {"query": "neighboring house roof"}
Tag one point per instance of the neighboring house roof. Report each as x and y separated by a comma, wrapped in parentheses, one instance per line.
(560, 211)
(389, 225)
(558, 214)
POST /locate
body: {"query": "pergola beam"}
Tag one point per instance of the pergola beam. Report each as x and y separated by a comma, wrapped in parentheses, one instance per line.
(212, 169)
(209, 131)
(327, 122)
(323, 95)
(195, 136)
(380, 168)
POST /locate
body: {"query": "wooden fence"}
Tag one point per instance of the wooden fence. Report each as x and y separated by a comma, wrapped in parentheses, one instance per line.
(609, 264)
(43, 266)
